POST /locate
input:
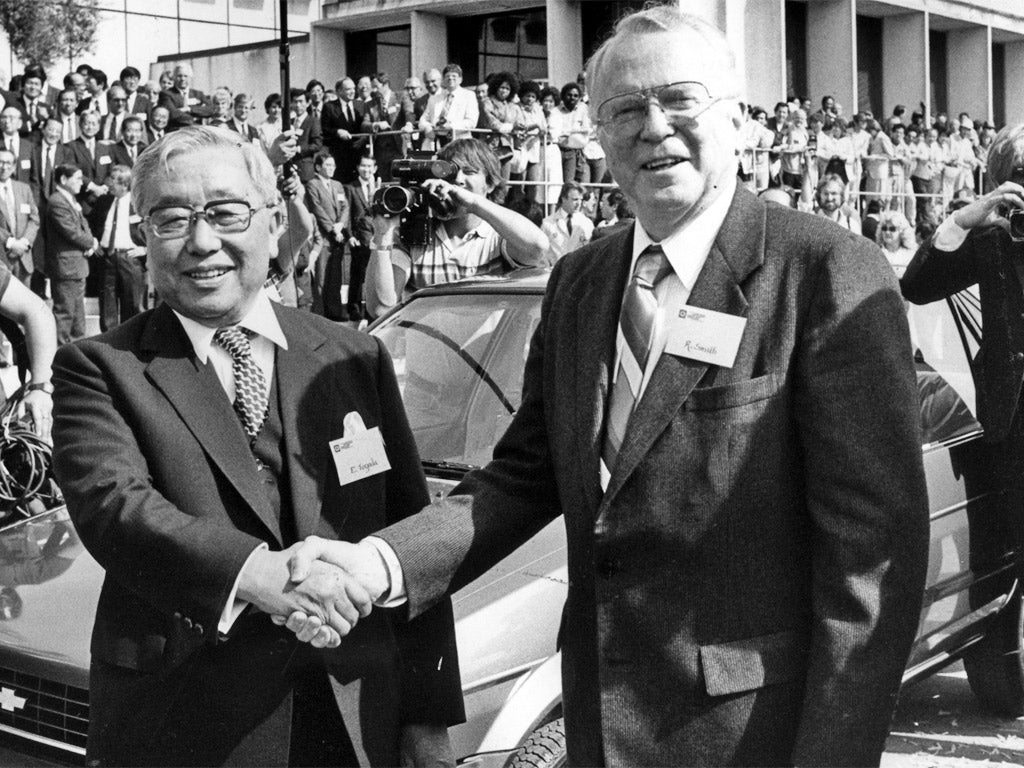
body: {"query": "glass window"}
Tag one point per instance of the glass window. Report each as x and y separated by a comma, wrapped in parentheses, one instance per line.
(509, 42)
(945, 337)
(459, 361)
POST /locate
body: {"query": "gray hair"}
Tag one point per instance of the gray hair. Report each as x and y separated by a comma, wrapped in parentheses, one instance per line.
(665, 18)
(157, 158)
(1006, 153)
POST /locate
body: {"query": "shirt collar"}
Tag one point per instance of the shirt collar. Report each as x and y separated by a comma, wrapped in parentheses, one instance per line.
(687, 248)
(261, 320)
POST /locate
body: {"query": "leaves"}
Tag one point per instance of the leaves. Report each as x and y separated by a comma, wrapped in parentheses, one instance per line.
(45, 31)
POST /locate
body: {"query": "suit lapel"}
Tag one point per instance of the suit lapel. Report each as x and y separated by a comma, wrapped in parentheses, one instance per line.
(738, 250)
(299, 371)
(597, 319)
(196, 394)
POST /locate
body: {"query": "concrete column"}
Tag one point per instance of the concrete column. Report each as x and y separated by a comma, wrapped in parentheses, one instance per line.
(905, 61)
(832, 51)
(428, 35)
(758, 37)
(969, 60)
(327, 53)
(1014, 93)
(565, 41)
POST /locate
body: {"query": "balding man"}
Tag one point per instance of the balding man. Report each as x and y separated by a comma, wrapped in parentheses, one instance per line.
(732, 437)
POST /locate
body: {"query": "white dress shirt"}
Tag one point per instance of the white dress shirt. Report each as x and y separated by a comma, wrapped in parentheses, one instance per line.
(262, 321)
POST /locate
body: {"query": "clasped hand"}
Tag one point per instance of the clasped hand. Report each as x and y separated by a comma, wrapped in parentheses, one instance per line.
(318, 588)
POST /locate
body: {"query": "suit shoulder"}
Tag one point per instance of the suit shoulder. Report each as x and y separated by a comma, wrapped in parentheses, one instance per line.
(357, 342)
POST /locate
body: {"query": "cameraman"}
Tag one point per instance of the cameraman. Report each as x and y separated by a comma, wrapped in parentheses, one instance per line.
(974, 245)
(480, 238)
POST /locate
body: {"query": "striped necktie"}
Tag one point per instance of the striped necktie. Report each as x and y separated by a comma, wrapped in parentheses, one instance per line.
(251, 397)
(637, 319)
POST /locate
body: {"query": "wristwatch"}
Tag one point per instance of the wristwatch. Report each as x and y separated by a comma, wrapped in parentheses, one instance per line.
(44, 386)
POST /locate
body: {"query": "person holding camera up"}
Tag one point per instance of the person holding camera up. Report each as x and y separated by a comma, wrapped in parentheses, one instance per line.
(479, 237)
(983, 243)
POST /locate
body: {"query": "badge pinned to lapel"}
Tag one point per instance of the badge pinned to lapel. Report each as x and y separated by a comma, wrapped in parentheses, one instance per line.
(705, 335)
(360, 453)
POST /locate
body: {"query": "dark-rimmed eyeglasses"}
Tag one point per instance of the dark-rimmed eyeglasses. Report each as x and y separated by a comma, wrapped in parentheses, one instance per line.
(223, 216)
(624, 114)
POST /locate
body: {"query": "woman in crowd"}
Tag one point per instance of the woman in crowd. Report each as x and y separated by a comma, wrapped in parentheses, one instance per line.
(534, 127)
(270, 128)
(500, 114)
(479, 238)
(549, 98)
(897, 240)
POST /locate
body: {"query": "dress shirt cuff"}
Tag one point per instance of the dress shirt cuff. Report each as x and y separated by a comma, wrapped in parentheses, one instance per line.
(395, 595)
(949, 236)
(10, 242)
(234, 607)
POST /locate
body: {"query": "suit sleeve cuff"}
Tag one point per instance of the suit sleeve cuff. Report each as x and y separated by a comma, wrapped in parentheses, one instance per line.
(395, 594)
(949, 236)
(234, 607)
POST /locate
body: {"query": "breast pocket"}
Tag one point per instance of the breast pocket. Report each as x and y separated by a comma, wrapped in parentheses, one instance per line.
(735, 394)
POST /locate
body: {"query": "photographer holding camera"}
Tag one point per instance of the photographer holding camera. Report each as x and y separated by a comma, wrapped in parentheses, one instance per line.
(472, 235)
(983, 243)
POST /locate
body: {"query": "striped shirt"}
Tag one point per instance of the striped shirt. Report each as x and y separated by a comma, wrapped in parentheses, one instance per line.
(445, 259)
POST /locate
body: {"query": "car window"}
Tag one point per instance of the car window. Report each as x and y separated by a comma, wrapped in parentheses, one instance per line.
(945, 337)
(459, 361)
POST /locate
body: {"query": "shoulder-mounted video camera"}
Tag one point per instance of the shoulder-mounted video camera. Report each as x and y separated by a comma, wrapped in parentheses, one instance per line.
(415, 205)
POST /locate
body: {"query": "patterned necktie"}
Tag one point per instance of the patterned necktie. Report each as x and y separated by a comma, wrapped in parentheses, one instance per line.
(250, 386)
(5, 189)
(639, 310)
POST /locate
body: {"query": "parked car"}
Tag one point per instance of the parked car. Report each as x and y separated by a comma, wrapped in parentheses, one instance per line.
(458, 351)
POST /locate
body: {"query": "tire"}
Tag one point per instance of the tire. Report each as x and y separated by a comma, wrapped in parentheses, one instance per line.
(545, 748)
(995, 666)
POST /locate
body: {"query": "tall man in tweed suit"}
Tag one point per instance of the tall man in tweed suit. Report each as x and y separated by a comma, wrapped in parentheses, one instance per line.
(721, 402)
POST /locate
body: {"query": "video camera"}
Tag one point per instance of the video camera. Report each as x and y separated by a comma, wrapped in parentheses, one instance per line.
(415, 205)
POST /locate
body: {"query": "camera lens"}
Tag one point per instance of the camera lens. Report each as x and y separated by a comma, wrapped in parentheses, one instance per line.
(396, 199)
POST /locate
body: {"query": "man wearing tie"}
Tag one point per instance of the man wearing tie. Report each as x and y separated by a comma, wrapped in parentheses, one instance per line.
(360, 201)
(126, 151)
(326, 200)
(341, 119)
(310, 136)
(46, 156)
(240, 122)
(111, 125)
(31, 102)
(114, 224)
(20, 220)
(21, 147)
(138, 103)
(721, 402)
(67, 113)
(157, 124)
(93, 157)
(451, 112)
(69, 244)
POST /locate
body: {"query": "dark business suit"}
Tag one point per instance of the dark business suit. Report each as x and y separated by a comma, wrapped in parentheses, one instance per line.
(43, 184)
(747, 588)
(119, 154)
(328, 203)
(142, 106)
(95, 166)
(23, 160)
(361, 227)
(310, 141)
(250, 133)
(25, 225)
(164, 491)
(175, 101)
(67, 239)
(346, 152)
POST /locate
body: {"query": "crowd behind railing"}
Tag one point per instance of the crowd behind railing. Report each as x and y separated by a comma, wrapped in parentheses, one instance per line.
(552, 170)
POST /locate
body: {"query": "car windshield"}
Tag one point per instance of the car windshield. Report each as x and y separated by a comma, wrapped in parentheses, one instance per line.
(459, 360)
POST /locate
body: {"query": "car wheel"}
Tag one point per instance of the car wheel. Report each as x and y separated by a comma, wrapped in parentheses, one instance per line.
(545, 748)
(995, 666)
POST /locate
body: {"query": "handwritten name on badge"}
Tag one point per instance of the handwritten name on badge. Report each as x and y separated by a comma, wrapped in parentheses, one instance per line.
(705, 335)
(359, 455)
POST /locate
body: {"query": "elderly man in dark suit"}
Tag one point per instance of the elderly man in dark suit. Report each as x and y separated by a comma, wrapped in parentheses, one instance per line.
(184, 103)
(340, 121)
(721, 401)
(69, 244)
(194, 444)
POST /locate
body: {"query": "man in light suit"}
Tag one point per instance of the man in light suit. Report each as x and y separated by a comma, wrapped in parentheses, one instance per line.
(451, 112)
(19, 220)
(190, 460)
(747, 532)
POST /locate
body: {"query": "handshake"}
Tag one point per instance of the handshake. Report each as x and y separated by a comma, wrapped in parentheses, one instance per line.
(317, 588)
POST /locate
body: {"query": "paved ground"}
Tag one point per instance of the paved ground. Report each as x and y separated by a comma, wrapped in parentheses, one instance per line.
(939, 724)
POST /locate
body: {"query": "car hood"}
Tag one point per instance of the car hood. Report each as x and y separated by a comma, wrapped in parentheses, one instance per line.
(49, 586)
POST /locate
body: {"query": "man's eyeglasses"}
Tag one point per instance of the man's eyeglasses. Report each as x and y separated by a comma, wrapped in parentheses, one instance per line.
(625, 113)
(889, 228)
(224, 216)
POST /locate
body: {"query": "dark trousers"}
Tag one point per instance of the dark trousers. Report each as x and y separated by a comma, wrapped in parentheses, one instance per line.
(37, 283)
(123, 287)
(574, 165)
(69, 308)
(356, 280)
(327, 285)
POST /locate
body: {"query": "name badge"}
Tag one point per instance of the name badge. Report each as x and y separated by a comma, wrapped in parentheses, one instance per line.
(360, 453)
(134, 219)
(341, 196)
(705, 335)
(26, 163)
(105, 160)
(25, 208)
